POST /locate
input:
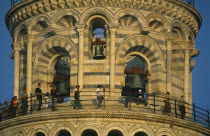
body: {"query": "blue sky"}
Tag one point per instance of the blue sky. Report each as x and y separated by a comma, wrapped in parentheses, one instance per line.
(201, 73)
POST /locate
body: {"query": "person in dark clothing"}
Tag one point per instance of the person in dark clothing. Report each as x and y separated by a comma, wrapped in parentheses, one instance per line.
(182, 109)
(126, 94)
(55, 94)
(141, 99)
(14, 106)
(38, 92)
(77, 104)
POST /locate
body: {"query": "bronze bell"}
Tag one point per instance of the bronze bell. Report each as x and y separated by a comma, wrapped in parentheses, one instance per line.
(137, 81)
(99, 52)
(62, 89)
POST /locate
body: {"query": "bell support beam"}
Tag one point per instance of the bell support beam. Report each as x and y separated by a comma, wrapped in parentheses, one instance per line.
(16, 69)
(81, 31)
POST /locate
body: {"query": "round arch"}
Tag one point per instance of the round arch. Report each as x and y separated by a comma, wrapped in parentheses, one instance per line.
(40, 128)
(18, 30)
(158, 17)
(142, 55)
(97, 16)
(46, 57)
(176, 23)
(96, 11)
(165, 131)
(70, 12)
(18, 133)
(113, 126)
(93, 126)
(139, 16)
(58, 127)
(148, 47)
(53, 41)
(140, 128)
(45, 18)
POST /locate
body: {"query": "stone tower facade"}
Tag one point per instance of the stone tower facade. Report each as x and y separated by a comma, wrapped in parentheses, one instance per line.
(55, 38)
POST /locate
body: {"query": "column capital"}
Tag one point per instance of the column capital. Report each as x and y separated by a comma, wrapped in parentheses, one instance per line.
(113, 27)
(81, 28)
(169, 37)
(16, 47)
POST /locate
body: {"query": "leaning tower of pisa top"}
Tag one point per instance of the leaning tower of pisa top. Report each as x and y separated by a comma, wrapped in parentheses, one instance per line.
(146, 44)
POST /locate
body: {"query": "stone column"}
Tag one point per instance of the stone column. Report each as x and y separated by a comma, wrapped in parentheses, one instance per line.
(113, 29)
(29, 65)
(16, 69)
(187, 94)
(81, 31)
(168, 64)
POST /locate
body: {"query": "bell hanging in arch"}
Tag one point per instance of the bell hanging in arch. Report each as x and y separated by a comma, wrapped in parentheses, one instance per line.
(137, 81)
(62, 89)
(99, 52)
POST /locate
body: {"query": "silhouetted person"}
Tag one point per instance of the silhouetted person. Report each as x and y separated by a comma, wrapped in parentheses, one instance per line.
(14, 106)
(167, 104)
(38, 92)
(77, 104)
(126, 94)
(182, 107)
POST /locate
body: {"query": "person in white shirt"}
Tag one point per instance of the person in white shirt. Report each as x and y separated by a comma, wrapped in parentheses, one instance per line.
(24, 98)
(99, 96)
(47, 101)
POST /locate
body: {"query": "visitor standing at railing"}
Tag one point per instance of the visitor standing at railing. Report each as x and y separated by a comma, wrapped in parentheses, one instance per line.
(167, 104)
(99, 96)
(6, 111)
(54, 93)
(14, 106)
(125, 94)
(77, 104)
(140, 98)
(24, 98)
(181, 105)
(48, 101)
(38, 92)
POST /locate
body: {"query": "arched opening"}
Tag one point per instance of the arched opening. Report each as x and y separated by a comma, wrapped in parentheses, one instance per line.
(115, 133)
(22, 36)
(62, 76)
(179, 35)
(157, 26)
(97, 37)
(39, 27)
(60, 71)
(89, 132)
(137, 76)
(129, 21)
(140, 134)
(66, 21)
(64, 133)
(39, 134)
(136, 72)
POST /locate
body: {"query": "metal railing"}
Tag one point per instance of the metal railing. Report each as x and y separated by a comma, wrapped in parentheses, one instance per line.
(152, 104)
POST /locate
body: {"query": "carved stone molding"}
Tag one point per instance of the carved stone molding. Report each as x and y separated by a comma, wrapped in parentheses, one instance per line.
(173, 8)
(105, 114)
